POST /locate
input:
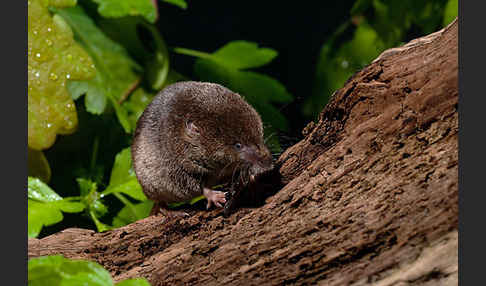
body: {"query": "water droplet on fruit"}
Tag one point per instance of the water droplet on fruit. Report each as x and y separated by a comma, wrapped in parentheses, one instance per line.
(37, 74)
(38, 55)
(68, 76)
(69, 57)
(69, 123)
(53, 76)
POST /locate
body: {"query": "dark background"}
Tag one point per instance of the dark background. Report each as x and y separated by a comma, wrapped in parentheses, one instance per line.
(296, 31)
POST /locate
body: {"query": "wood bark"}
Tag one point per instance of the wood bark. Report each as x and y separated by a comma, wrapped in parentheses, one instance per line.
(368, 197)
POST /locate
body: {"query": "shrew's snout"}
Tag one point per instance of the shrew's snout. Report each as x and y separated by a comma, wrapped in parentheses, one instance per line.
(260, 160)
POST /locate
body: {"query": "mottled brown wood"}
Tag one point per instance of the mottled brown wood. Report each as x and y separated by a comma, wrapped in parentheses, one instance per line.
(369, 197)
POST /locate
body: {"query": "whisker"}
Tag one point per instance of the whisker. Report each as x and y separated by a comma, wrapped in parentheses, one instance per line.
(268, 137)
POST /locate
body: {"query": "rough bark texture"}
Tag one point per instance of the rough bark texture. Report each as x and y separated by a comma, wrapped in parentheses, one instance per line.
(369, 197)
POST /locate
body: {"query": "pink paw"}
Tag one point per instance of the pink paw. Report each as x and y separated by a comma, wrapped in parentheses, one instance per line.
(214, 197)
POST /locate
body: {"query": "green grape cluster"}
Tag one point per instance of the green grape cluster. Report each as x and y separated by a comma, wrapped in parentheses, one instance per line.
(53, 59)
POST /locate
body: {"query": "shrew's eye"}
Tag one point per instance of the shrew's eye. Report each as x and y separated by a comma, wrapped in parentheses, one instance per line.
(238, 146)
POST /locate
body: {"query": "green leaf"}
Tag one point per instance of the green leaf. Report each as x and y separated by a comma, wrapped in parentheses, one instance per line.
(86, 186)
(116, 73)
(45, 206)
(68, 206)
(179, 3)
(260, 87)
(121, 8)
(99, 225)
(243, 55)
(123, 179)
(122, 115)
(94, 100)
(54, 58)
(135, 105)
(57, 270)
(236, 55)
(340, 60)
(98, 208)
(450, 12)
(130, 187)
(151, 50)
(44, 269)
(363, 48)
(44, 214)
(38, 190)
(157, 70)
(40, 214)
(131, 213)
(122, 168)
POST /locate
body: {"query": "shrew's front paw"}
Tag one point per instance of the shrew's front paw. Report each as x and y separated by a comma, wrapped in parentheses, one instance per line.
(217, 198)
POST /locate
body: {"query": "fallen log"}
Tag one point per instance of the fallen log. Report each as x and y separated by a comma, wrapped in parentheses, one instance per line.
(368, 197)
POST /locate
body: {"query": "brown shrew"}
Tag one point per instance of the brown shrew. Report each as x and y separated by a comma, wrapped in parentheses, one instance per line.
(193, 136)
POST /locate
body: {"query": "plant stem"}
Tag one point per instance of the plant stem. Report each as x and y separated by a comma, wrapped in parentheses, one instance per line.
(193, 53)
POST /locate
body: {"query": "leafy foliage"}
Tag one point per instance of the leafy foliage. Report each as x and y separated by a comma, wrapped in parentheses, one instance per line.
(132, 212)
(123, 178)
(180, 3)
(151, 51)
(57, 270)
(115, 75)
(450, 12)
(122, 182)
(237, 55)
(120, 8)
(136, 104)
(53, 58)
(375, 25)
(45, 206)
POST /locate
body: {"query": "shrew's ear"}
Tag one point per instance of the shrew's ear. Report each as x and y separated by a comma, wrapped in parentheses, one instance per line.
(191, 128)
